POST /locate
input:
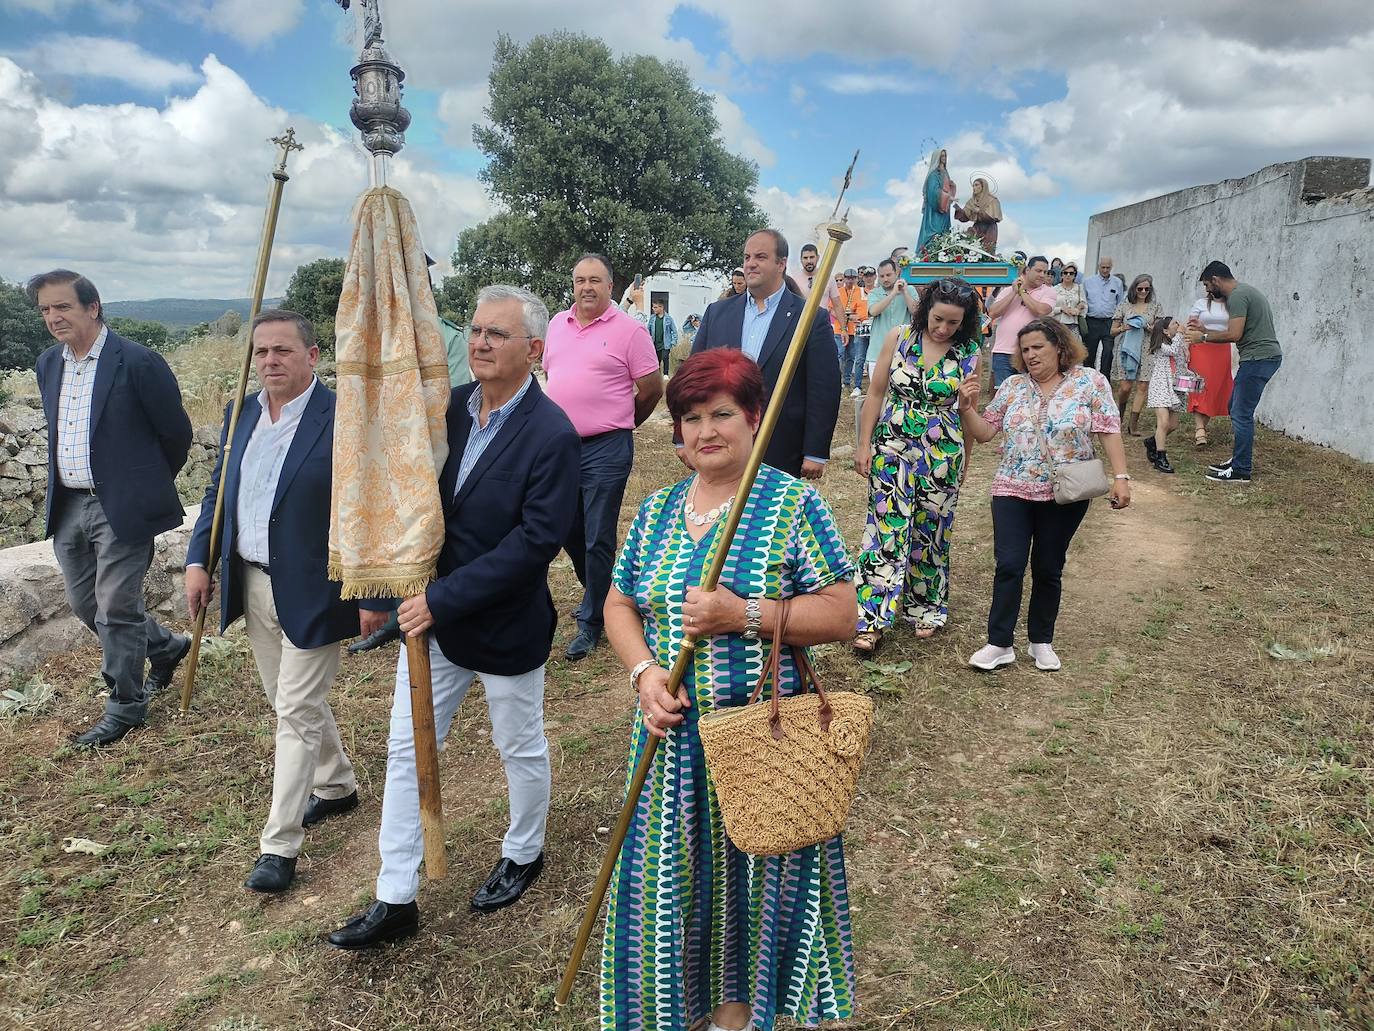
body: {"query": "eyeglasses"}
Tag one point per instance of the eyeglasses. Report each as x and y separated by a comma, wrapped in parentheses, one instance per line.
(957, 287)
(494, 337)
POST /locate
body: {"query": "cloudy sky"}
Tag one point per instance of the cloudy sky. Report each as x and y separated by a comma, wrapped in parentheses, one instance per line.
(134, 131)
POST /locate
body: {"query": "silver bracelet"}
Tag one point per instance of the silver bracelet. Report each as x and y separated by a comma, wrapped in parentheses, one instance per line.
(640, 667)
(753, 618)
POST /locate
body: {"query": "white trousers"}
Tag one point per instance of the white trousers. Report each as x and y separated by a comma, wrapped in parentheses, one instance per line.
(309, 754)
(516, 707)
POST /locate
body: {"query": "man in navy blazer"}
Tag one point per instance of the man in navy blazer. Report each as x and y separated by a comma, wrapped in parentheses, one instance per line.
(761, 322)
(273, 565)
(117, 437)
(510, 493)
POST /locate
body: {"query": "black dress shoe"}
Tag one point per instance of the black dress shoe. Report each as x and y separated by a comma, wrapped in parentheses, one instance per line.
(159, 677)
(385, 634)
(271, 874)
(508, 881)
(582, 645)
(383, 922)
(318, 808)
(107, 731)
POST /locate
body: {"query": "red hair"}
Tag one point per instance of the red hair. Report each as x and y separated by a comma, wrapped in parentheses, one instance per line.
(721, 370)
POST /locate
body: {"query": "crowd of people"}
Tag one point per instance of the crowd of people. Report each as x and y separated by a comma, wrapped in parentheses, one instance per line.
(539, 464)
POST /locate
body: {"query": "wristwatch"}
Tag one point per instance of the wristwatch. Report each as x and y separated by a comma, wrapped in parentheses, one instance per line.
(1204, 336)
(640, 667)
(753, 619)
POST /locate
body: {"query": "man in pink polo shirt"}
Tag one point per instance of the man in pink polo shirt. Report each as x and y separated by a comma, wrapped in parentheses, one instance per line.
(603, 372)
(1030, 297)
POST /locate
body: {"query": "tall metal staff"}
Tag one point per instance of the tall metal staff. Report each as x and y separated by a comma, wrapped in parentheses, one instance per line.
(838, 232)
(287, 142)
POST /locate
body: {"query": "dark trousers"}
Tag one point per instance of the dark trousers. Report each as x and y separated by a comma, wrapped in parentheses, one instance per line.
(606, 461)
(1039, 531)
(1099, 333)
(1251, 379)
(663, 361)
(103, 577)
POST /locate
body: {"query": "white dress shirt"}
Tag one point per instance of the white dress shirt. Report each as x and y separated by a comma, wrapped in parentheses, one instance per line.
(259, 470)
(74, 415)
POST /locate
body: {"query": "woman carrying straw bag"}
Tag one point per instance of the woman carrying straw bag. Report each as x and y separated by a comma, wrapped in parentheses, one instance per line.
(697, 930)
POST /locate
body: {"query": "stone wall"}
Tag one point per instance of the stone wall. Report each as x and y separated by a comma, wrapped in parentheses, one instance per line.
(24, 470)
(1303, 233)
(35, 622)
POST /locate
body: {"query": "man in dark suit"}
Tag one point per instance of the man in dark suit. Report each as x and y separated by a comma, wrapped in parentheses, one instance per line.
(117, 437)
(761, 322)
(510, 492)
(273, 571)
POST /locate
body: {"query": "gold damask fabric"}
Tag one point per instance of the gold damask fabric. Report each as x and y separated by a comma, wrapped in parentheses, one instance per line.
(386, 522)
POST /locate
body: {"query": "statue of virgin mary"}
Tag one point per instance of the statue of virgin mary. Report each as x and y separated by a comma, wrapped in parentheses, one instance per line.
(936, 200)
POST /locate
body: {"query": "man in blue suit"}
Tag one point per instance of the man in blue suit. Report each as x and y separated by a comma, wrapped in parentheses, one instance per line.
(273, 571)
(510, 490)
(117, 437)
(761, 322)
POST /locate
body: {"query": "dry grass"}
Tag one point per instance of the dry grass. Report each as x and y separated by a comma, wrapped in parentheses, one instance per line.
(208, 371)
(1176, 831)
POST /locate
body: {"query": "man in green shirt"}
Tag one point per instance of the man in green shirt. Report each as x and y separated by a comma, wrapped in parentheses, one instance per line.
(890, 304)
(1251, 329)
(663, 330)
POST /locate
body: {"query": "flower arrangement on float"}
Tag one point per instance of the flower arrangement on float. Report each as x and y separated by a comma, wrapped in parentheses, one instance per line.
(955, 246)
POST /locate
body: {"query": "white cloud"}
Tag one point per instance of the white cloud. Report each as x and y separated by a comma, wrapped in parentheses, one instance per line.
(252, 22)
(460, 108)
(100, 57)
(738, 135)
(863, 83)
(167, 201)
(113, 12)
(1142, 128)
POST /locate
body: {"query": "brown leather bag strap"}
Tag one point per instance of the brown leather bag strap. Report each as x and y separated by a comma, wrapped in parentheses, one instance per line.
(771, 665)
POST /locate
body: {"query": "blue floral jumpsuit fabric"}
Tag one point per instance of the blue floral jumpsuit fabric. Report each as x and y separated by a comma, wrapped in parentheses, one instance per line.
(913, 484)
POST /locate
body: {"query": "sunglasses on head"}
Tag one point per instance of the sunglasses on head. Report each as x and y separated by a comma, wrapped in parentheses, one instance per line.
(957, 287)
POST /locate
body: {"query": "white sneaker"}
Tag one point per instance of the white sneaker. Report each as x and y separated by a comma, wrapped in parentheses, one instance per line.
(1044, 656)
(856, 392)
(989, 657)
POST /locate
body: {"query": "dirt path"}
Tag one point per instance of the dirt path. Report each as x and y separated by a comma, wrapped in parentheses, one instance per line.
(1124, 842)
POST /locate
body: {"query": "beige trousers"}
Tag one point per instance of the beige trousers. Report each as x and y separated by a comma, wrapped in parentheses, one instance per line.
(310, 756)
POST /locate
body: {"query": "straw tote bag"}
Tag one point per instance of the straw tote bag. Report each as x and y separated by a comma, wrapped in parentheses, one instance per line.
(785, 770)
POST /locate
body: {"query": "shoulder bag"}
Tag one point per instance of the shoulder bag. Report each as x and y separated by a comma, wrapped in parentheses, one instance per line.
(1072, 481)
(785, 770)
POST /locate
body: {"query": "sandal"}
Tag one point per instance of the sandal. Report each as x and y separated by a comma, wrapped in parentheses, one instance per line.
(866, 642)
(1200, 437)
(924, 633)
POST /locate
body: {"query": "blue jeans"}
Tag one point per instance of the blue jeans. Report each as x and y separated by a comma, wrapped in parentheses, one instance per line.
(1001, 369)
(606, 461)
(847, 353)
(859, 358)
(1251, 378)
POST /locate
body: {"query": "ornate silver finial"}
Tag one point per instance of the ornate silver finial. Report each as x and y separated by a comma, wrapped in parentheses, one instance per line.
(377, 110)
(287, 142)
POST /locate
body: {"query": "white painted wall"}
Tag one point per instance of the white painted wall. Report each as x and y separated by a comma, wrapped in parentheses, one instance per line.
(688, 292)
(1303, 234)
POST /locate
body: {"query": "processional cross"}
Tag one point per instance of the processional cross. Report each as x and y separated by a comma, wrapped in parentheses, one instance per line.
(287, 142)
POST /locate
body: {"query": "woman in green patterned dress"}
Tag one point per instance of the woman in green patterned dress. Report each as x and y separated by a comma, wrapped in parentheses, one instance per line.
(911, 449)
(697, 930)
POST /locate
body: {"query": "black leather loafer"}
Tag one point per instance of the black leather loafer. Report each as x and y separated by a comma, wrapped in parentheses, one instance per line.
(581, 646)
(508, 881)
(107, 731)
(382, 923)
(318, 808)
(271, 874)
(160, 677)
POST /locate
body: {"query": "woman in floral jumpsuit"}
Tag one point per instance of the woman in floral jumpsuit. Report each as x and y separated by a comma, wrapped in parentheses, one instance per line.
(911, 448)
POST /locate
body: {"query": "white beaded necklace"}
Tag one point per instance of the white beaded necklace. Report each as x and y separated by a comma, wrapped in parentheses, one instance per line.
(706, 518)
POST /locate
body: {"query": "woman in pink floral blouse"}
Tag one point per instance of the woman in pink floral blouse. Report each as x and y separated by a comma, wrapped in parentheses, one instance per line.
(1071, 404)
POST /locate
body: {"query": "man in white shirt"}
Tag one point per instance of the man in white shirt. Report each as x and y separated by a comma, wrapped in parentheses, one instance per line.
(274, 572)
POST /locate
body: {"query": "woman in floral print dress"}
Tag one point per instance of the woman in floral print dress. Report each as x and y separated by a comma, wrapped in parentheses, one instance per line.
(911, 449)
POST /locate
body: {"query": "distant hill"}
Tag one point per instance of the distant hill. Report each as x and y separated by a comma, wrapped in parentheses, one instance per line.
(181, 312)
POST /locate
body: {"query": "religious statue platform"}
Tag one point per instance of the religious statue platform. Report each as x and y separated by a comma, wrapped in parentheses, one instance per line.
(978, 273)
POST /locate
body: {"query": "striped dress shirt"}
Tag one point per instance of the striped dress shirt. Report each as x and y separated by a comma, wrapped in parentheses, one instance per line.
(480, 437)
(74, 415)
